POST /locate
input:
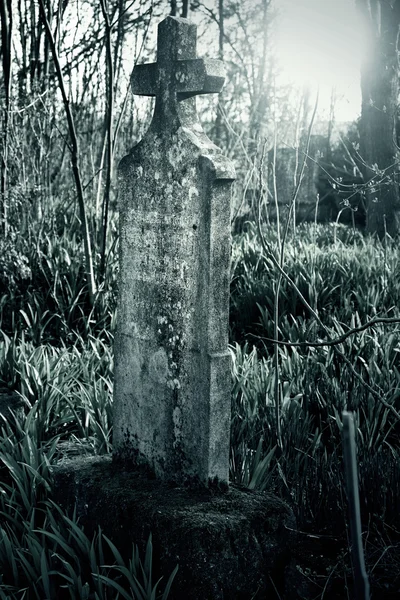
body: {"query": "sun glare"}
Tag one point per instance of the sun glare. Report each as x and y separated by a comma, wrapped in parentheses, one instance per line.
(320, 43)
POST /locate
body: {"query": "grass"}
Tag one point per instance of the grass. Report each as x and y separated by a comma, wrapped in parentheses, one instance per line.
(347, 282)
(44, 553)
(352, 278)
(56, 353)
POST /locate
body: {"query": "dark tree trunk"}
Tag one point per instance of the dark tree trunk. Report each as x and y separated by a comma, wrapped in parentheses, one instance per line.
(110, 134)
(185, 9)
(380, 90)
(173, 9)
(6, 52)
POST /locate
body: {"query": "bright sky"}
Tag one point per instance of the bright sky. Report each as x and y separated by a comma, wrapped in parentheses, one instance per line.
(321, 42)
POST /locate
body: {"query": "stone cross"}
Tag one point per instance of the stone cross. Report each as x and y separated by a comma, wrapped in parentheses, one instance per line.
(172, 404)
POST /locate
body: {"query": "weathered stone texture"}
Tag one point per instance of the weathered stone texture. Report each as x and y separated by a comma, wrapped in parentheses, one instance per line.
(172, 375)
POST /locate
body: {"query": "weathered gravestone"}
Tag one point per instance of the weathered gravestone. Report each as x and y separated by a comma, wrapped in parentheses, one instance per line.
(172, 375)
(172, 372)
(285, 169)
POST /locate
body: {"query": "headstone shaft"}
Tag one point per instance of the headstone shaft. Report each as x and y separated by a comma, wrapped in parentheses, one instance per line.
(172, 366)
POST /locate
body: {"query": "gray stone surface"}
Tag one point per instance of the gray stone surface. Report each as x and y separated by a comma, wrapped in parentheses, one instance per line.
(229, 546)
(172, 372)
(286, 166)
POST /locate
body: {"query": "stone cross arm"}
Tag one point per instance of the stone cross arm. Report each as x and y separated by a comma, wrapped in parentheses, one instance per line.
(191, 77)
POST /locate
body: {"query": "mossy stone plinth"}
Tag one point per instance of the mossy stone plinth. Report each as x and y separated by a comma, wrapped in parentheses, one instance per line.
(228, 545)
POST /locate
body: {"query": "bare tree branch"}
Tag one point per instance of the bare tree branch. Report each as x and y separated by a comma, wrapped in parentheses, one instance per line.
(335, 341)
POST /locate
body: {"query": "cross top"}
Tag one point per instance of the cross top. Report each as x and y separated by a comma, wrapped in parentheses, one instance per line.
(177, 75)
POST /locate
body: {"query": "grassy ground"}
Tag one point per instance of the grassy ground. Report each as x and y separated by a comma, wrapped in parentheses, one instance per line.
(347, 280)
(56, 353)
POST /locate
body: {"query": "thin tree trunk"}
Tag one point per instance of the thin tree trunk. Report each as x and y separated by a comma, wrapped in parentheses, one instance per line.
(32, 63)
(74, 149)
(173, 8)
(6, 47)
(109, 127)
(120, 39)
(23, 71)
(45, 70)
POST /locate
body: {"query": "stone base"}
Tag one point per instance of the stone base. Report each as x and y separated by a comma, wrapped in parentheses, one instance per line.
(229, 546)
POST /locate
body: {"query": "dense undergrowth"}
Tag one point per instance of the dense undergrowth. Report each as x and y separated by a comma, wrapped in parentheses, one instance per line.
(347, 280)
(56, 353)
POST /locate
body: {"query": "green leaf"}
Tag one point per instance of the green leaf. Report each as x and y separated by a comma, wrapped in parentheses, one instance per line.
(44, 570)
(169, 583)
(116, 586)
(115, 552)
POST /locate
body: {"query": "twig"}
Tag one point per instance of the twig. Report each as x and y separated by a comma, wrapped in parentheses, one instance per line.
(334, 341)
